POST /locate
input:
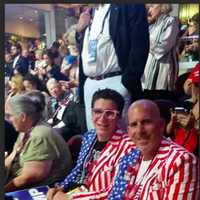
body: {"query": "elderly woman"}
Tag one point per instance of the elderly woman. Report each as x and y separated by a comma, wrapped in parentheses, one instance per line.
(39, 156)
(161, 69)
(100, 152)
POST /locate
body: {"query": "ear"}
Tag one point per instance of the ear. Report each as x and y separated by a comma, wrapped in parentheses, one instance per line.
(23, 116)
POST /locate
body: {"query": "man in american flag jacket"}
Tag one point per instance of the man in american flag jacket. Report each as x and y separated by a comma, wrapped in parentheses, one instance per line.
(164, 170)
(100, 152)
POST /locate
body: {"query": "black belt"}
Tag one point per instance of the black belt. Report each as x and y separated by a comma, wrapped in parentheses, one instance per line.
(111, 74)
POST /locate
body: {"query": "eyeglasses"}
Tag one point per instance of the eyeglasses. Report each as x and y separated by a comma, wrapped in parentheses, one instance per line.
(108, 114)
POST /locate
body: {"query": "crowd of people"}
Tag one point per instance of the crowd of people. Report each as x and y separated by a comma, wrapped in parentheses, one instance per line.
(104, 81)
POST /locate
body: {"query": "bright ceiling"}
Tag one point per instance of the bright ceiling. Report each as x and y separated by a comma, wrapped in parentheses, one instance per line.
(30, 12)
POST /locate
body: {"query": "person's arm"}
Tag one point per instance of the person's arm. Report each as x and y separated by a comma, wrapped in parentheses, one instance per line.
(84, 20)
(168, 39)
(75, 173)
(170, 128)
(32, 172)
(187, 121)
(10, 158)
(53, 192)
(183, 178)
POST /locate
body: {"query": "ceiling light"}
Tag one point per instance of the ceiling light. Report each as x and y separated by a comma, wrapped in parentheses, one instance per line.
(35, 11)
(31, 20)
(21, 18)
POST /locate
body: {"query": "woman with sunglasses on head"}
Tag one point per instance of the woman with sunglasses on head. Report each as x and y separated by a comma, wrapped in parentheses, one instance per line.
(100, 152)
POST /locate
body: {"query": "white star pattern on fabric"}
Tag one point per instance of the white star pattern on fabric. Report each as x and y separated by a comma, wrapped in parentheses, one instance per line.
(122, 178)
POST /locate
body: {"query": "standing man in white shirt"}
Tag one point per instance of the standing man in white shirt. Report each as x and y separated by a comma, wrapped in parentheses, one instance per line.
(114, 52)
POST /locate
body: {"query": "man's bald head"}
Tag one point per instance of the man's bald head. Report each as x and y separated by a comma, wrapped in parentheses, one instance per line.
(147, 105)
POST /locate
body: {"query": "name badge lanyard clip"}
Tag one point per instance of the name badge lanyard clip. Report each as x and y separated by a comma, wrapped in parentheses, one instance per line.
(92, 48)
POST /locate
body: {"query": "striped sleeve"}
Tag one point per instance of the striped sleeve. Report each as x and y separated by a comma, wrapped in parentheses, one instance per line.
(101, 187)
(183, 181)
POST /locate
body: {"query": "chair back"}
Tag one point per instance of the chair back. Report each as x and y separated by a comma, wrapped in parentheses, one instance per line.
(74, 144)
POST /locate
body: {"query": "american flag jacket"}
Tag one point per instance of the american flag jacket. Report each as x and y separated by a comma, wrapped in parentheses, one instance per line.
(100, 177)
(172, 175)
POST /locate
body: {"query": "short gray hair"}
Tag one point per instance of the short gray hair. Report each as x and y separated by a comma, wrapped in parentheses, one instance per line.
(23, 103)
(51, 81)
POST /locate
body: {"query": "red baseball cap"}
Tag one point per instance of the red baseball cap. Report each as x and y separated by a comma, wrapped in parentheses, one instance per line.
(194, 75)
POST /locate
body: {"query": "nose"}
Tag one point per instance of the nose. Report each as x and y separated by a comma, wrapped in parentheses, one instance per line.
(139, 128)
(103, 117)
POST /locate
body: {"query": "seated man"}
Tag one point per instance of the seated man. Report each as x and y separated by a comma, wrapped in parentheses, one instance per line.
(164, 170)
(100, 152)
(39, 156)
(58, 97)
(68, 116)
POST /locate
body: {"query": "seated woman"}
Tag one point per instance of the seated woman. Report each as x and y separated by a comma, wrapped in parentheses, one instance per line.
(16, 85)
(40, 156)
(184, 127)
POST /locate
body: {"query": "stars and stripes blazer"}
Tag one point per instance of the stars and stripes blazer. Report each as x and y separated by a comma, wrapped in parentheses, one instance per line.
(172, 175)
(99, 179)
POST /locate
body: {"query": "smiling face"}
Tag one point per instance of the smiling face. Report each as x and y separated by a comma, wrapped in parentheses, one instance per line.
(55, 90)
(105, 122)
(145, 128)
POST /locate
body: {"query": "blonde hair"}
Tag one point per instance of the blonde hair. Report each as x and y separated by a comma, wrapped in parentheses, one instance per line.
(69, 36)
(18, 81)
(39, 52)
(166, 8)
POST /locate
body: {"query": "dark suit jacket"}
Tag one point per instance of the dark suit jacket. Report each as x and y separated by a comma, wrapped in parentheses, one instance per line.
(8, 70)
(74, 119)
(22, 65)
(130, 35)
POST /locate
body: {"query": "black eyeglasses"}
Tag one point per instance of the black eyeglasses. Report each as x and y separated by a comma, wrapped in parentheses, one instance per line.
(109, 114)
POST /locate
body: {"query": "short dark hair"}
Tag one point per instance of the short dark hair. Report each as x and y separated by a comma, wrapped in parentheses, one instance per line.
(55, 44)
(18, 46)
(109, 94)
(49, 53)
(33, 79)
